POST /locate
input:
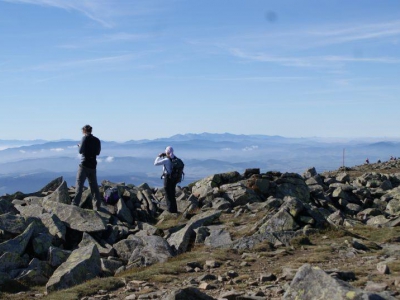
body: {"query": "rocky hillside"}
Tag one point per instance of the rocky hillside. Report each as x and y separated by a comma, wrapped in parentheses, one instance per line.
(237, 236)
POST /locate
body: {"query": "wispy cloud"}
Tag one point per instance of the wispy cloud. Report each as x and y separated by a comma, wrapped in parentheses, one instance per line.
(108, 159)
(310, 61)
(104, 12)
(98, 11)
(290, 47)
(355, 33)
(251, 148)
(107, 38)
(55, 66)
(57, 149)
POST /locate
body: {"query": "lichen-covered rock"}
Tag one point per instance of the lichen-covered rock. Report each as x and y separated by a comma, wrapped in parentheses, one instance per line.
(104, 248)
(393, 207)
(83, 264)
(37, 273)
(11, 261)
(60, 195)
(55, 226)
(291, 184)
(180, 239)
(293, 206)
(123, 212)
(77, 218)
(343, 177)
(57, 256)
(313, 283)
(110, 265)
(31, 210)
(19, 244)
(41, 244)
(239, 194)
(143, 251)
(281, 221)
(12, 223)
(204, 188)
(218, 237)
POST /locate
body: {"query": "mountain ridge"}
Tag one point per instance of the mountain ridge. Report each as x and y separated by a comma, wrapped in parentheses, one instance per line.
(204, 154)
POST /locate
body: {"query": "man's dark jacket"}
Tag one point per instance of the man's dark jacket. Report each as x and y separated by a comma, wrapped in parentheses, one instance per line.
(90, 147)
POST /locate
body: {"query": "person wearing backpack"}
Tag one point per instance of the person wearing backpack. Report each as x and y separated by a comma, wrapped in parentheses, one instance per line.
(89, 148)
(171, 175)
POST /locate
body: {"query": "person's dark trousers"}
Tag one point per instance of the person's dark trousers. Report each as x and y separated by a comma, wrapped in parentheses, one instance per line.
(169, 186)
(81, 176)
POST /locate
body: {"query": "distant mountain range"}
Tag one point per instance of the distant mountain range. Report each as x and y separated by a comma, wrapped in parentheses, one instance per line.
(29, 165)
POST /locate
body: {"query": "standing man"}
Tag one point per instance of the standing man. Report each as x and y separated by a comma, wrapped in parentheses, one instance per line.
(169, 183)
(89, 148)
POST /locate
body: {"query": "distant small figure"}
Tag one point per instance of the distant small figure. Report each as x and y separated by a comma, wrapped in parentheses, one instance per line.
(367, 161)
(379, 161)
(165, 159)
(391, 158)
(89, 148)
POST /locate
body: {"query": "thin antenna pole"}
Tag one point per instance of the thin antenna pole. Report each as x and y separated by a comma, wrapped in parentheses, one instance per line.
(343, 157)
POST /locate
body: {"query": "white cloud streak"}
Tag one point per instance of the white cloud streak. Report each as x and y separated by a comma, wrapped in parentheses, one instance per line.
(119, 37)
(56, 66)
(264, 47)
(357, 33)
(251, 148)
(109, 159)
(310, 61)
(98, 11)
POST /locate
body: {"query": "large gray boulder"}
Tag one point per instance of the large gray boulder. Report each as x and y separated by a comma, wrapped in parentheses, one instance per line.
(291, 184)
(55, 226)
(41, 243)
(313, 283)
(218, 237)
(83, 264)
(12, 223)
(11, 261)
(6, 207)
(180, 239)
(37, 273)
(281, 221)
(77, 218)
(57, 256)
(19, 244)
(104, 248)
(204, 188)
(60, 195)
(138, 251)
(123, 212)
(239, 194)
(393, 207)
(31, 210)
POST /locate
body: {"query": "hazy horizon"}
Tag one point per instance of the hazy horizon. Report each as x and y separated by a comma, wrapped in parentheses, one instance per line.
(30, 167)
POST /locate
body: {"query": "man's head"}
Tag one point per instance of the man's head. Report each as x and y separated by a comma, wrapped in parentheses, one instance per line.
(87, 129)
(169, 151)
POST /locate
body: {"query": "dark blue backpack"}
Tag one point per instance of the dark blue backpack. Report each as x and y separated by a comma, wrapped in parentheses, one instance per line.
(111, 195)
(177, 169)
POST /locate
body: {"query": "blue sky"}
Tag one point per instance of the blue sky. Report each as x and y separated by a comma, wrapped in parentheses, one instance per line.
(148, 69)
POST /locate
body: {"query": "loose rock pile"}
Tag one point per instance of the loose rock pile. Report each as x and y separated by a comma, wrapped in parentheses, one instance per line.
(46, 241)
